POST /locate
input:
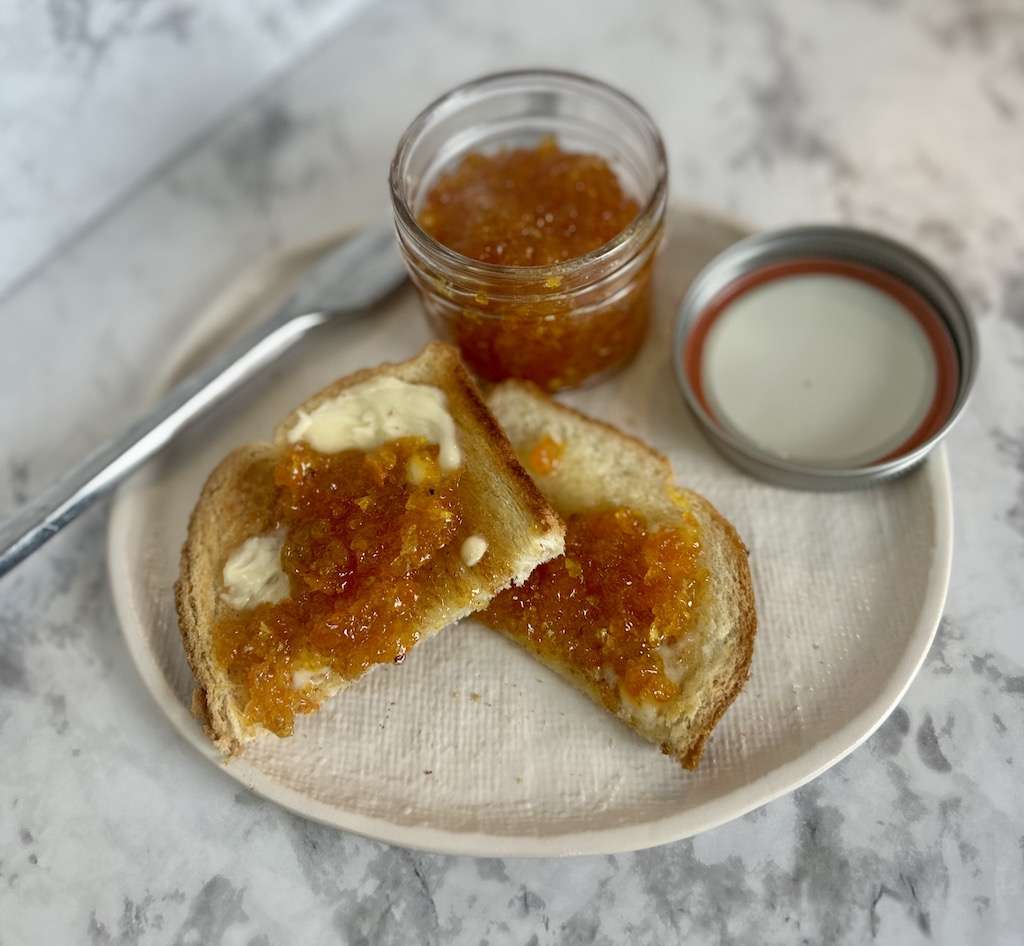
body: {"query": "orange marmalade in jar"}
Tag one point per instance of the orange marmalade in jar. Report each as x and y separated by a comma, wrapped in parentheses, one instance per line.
(529, 208)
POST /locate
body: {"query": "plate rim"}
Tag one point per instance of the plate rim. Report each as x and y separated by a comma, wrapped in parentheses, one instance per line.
(612, 840)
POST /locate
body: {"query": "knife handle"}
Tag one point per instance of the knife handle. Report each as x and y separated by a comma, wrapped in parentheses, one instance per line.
(62, 502)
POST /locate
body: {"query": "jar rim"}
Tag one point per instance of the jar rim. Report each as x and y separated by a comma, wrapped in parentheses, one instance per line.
(648, 214)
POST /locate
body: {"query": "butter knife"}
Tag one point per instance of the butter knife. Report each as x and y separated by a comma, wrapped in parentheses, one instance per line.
(345, 283)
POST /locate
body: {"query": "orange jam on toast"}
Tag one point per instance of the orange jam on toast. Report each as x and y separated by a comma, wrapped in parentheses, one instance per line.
(538, 207)
(621, 597)
(368, 536)
(545, 456)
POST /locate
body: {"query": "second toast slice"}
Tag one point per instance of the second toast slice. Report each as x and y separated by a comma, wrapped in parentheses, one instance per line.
(651, 611)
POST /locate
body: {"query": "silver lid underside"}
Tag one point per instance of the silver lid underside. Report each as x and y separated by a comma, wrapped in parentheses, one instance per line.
(846, 244)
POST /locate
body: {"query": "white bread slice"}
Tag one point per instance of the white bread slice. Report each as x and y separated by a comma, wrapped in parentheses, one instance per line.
(600, 467)
(499, 501)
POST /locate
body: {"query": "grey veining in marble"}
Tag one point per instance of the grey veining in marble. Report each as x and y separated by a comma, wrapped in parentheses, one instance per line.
(117, 86)
(904, 115)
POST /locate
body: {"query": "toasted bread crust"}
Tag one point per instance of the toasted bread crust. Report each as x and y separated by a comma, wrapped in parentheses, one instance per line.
(733, 677)
(529, 389)
(237, 501)
(680, 734)
(237, 497)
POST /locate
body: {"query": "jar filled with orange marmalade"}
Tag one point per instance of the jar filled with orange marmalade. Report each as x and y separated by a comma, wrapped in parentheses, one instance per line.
(530, 208)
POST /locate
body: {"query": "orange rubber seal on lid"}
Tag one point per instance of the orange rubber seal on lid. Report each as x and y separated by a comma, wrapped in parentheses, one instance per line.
(947, 364)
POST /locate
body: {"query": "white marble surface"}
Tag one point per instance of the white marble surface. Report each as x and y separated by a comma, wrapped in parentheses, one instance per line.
(98, 94)
(906, 116)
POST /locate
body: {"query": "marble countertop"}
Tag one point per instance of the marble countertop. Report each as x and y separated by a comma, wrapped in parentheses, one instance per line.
(902, 115)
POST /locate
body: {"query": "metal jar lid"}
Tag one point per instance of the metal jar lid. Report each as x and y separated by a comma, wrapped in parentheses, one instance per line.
(824, 357)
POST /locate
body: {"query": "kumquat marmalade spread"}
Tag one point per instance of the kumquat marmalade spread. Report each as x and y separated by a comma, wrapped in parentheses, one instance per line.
(366, 532)
(545, 456)
(540, 210)
(527, 206)
(618, 606)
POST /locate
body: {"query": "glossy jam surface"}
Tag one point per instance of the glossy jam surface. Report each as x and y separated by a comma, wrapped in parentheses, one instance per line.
(620, 596)
(365, 533)
(534, 207)
(545, 455)
(527, 206)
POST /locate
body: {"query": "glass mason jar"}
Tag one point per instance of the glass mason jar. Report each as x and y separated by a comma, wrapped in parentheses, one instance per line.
(557, 325)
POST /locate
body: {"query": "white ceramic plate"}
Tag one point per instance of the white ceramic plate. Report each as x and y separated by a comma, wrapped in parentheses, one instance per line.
(472, 747)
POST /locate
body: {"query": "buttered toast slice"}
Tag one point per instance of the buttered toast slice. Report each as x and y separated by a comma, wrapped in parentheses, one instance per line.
(650, 611)
(388, 506)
